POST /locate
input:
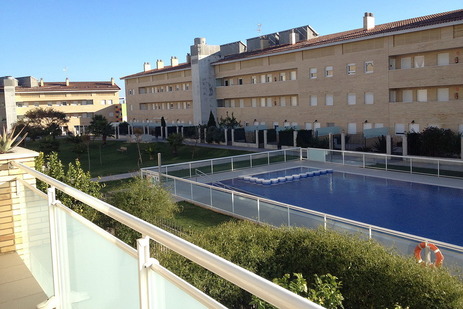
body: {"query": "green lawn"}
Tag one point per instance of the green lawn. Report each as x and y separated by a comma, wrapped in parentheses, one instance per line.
(112, 162)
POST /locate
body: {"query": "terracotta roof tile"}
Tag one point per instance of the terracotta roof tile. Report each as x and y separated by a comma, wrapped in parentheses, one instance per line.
(181, 66)
(73, 86)
(408, 24)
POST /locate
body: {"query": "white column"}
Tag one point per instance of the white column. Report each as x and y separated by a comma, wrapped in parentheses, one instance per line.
(343, 141)
(404, 145)
(265, 138)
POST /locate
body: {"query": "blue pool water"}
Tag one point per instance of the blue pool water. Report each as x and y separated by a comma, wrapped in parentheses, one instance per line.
(423, 210)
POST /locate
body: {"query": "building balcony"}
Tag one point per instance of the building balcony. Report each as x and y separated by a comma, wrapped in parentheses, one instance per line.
(428, 76)
(75, 264)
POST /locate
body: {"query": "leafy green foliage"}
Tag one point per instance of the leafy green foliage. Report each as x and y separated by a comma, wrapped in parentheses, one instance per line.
(48, 145)
(229, 122)
(43, 121)
(434, 142)
(372, 277)
(211, 122)
(74, 176)
(99, 126)
(175, 140)
(215, 135)
(325, 291)
(143, 200)
(7, 140)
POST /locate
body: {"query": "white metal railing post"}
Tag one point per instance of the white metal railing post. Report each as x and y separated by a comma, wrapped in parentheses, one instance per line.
(438, 168)
(210, 196)
(300, 154)
(324, 221)
(363, 158)
(343, 159)
(268, 158)
(144, 263)
(191, 174)
(175, 186)
(385, 163)
(232, 167)
(258, 210)
(289, 216)
(212, 167)
(250, 160)
(233, 201)
(411, 166)
(284, 154)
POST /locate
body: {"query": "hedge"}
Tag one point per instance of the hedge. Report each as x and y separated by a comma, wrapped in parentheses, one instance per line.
(372, 276)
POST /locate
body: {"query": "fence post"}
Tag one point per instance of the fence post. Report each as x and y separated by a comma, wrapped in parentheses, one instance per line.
(294, 138)
(265, 139)
(330, 139)
(257, 138)
(232, 137)
(388, 144)
(343, 141)
(144, 262)
(404, 145)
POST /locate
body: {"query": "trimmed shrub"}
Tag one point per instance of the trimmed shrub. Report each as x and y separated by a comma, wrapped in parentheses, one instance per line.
(372, 276)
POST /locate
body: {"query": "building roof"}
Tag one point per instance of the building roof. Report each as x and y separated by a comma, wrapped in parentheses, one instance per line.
(181, 66)
(383, 29)
(73, 86)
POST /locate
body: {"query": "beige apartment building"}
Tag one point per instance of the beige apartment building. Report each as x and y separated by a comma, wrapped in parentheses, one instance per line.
(80, 101)
(401, 76)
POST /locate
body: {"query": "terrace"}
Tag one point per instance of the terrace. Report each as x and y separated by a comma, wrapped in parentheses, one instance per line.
(51, 257)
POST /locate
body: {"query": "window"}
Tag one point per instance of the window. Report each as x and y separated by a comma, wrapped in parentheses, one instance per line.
(254, 102)
(262, 79)
(406, 63)
(232, 103)
(262, 102)
(369, 98)
(282, 77)
(141, 90)
(313, 100)
(241, 103)
(329, 71)
(391, 63)
(351, 68)
(422, 95)
(329, 99)
(392, 96)
(103, 102)
(240, 81)
(414, 128)
(283, 101)
(313, 73)
(169, 89)
(293, 101)
(369, 67)
(443, 59)
(367, 126)
(352, 128)
(292, 75)
(268, 78)
(253, 80)
(109, 102)
(419, 61)
(407, 96)
(269, 102)
(379, 125)
(351, 98)
(442, 94)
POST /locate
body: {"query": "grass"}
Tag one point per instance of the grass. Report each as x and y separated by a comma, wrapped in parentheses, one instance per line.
(197, 218)
(110, 161)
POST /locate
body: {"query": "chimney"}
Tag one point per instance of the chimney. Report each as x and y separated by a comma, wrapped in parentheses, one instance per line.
(292, 37)
(112, 81)
(368, 21)
(146, 66)
(188, 58)
(159, 64)
(41, 82)
(67, 81)
(173, 61)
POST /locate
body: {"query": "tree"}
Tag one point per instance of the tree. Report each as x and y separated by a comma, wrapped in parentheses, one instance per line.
(211, 122)
(74, 176)
(143, 200)
(99, 126)
(44, 121)
(229, 122)
(175, 140)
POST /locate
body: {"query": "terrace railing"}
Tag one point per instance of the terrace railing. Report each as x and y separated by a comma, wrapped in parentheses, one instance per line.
(271, 212)
(409, 164)
(77, 262)
(226, 164)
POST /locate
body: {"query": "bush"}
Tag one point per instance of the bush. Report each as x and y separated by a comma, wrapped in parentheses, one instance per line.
(372, 276)
(48, 145)
(215, 135)
(286, 137)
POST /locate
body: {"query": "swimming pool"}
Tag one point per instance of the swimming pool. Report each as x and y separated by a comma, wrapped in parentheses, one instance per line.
(423, 210)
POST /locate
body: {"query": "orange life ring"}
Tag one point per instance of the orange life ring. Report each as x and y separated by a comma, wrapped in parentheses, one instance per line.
(433, 248)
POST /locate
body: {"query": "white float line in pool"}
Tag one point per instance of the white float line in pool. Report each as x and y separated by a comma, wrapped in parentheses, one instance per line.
(282, 179)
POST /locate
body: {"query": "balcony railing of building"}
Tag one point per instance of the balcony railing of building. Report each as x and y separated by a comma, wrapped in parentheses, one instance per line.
(75, 261)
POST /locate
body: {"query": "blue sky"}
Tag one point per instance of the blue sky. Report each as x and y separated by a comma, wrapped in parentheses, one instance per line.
(93, 40)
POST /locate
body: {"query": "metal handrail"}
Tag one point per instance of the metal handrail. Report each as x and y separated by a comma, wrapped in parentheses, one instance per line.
(321, 214)
(239, 276)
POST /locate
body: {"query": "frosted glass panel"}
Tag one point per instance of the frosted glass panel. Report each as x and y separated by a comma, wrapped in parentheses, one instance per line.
(167, 295)
(100, 274)
(36, 239)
